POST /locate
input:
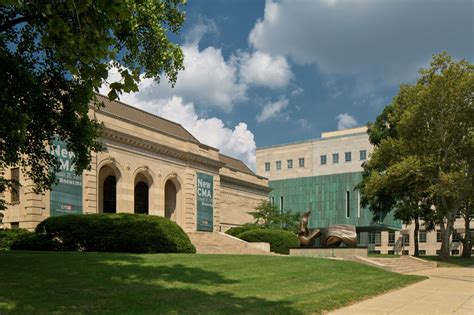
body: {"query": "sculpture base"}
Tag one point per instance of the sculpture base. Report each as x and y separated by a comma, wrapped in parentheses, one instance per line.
(328, 252)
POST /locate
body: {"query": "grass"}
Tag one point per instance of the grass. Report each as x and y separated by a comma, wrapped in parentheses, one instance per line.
(83, 283)
(453, 261)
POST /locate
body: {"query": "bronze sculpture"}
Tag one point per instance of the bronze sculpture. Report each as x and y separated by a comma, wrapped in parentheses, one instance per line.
(333, 236)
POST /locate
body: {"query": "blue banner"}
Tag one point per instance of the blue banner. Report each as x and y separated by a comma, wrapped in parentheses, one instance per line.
(205, 202)
(66, 195)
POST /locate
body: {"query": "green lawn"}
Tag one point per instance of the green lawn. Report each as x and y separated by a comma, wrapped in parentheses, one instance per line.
(453, 261)
(74, 282)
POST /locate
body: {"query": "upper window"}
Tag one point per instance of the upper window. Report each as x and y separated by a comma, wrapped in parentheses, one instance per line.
(363, 155)
(438, 236)
(15, 189)
(267, 166)
(301, 162)
(289, 163)
(391, 237)
(422, 237)
(374, 238)
(278, 165)
(335, 157)
(347, 156)
(323, 159)
(455, 237)
(406, 240)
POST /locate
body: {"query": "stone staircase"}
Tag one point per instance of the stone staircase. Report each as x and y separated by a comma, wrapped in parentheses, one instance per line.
(221, 243)
(404, 264)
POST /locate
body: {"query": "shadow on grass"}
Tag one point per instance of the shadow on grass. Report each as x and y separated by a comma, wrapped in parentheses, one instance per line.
(120, 284)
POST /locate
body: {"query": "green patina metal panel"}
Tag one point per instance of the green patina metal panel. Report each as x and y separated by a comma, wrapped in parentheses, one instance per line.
(205, 205)
(66, 195)
(326, 197)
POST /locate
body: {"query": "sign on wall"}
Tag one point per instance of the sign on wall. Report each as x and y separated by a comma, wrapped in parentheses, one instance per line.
(66, 195)
(205, 199)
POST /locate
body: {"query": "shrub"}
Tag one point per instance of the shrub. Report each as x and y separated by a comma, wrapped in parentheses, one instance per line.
(280, 240)
(235, 231)
(34, 242)
(8, 236)
(122, 232)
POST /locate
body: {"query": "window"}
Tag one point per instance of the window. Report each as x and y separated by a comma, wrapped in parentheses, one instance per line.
(422, 237)
(267, 166)
(406, 240)
(324, 159)
(374, 238)
(281, 203)
(347, 156)
(455, 236)
(273, 201)
(301, 162)
(455, 252)
(358, 204)
(15, 189)
(405, 252)
(335, 157)
(289, 163)
(348, 204)
(374, 251)
(471, 233)
(438, 252)
(391, 237)
(278, 165)
(391, 252)
(15, 225)
(438, 236)
(363, 155)
(421, 252)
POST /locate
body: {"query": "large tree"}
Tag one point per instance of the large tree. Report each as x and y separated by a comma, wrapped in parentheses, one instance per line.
(54, 56)
(424, 144)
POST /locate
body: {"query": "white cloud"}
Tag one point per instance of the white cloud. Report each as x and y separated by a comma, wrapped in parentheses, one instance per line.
(346, 121)
(304, 123)
(266, 70)
(273, 110)
(379, 43)
(297, 91)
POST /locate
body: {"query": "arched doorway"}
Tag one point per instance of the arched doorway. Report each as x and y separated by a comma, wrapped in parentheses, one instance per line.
(171, 192)
(141, 198)
(108, 180)
(110, 195)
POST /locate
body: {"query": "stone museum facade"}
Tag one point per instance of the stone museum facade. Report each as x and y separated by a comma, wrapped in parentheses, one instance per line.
(150, 165)
(321, 175)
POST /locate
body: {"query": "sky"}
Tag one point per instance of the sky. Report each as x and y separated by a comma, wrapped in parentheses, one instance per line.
(260, 73)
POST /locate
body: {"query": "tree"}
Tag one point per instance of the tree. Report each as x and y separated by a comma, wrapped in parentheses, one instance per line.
(267, 215)
(54, 56)
(424, 148)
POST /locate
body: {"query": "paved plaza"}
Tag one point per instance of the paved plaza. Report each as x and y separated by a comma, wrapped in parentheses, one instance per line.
(447, 291)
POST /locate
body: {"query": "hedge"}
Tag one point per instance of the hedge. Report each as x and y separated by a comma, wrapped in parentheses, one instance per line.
(280, 240)
(235, 231)
(9, 236)
(122, 232)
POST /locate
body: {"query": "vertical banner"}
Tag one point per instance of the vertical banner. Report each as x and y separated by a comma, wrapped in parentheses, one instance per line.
(66, 195)
(205, 199)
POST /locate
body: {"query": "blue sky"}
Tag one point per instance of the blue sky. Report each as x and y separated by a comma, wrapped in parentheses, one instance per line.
(260, 73)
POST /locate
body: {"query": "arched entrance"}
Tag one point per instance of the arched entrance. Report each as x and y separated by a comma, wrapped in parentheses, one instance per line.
(172, 188)
(141, 200)
(108, 179)
(110, 195)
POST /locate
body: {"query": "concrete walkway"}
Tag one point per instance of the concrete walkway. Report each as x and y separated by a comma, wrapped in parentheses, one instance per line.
(447, 291)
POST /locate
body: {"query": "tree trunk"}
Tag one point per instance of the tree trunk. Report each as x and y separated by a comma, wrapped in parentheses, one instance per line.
(445, 233)
(466, 240)
(415, 237)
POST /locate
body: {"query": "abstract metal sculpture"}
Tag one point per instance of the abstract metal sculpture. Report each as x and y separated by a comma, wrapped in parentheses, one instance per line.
(333, 236)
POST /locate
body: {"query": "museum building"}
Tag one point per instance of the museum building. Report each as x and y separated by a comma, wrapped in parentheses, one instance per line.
(321, 175)
(150, 165)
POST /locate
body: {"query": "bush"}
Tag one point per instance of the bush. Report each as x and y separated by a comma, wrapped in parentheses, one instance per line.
(8, 236)
(235, 231)
(280, 240)
(123, 232)
(34, 242)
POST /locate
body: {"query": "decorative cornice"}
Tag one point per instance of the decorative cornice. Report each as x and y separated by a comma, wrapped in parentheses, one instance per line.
(151, 146)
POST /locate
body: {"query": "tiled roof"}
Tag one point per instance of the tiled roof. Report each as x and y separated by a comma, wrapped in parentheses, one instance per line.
(235, 164)
(160, 124)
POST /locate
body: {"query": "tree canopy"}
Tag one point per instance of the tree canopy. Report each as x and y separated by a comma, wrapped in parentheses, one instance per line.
(423, 162)
(55, 55)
